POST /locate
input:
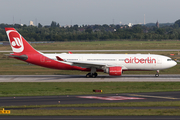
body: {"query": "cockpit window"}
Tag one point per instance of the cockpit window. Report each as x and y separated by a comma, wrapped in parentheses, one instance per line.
(169, 60)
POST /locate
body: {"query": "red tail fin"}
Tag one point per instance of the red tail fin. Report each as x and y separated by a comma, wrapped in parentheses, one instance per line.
(18, 43)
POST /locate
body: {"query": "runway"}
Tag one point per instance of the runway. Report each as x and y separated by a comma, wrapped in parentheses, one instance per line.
(89, 99)
(82, 78)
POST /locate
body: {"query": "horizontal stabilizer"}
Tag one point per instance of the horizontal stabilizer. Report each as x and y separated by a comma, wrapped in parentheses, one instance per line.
(22, 57)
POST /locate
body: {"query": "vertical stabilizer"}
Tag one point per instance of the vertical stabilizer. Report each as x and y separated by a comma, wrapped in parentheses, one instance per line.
(18, 44)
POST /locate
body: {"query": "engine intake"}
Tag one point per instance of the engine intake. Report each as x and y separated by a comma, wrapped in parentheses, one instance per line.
(114, 71)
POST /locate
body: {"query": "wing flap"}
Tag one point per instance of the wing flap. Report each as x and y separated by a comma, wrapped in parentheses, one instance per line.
(88, 64)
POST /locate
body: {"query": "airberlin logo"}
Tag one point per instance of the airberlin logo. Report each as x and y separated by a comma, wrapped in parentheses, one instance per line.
(16, 41)
(141, 60)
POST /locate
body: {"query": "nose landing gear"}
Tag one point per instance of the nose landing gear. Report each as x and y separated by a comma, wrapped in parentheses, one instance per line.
(157, 73)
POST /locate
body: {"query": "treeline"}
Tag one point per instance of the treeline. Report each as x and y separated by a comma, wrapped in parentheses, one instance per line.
(94, 32)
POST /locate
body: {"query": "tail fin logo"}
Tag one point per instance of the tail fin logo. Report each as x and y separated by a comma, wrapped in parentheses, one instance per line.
(15, 40)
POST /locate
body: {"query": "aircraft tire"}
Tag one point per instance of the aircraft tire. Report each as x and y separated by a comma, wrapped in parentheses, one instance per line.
(94, 75)
(88, 75)
(156, 75)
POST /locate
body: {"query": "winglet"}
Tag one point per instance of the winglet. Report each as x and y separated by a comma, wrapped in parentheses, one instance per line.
(58, 58)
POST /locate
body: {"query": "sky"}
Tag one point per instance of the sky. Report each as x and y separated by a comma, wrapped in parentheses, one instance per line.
(88, 12)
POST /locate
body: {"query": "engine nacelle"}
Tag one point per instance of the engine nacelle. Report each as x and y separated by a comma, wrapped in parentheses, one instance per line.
(114, 71)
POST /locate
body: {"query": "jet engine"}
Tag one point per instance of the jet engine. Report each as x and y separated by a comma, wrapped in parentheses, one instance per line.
(114, 71)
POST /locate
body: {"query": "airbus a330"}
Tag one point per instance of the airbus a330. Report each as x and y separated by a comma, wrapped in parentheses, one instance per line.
(112, 64)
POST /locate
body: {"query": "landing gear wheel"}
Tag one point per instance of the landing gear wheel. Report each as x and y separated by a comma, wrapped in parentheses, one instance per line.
(88, 75)
(156, 75)
(94, 75)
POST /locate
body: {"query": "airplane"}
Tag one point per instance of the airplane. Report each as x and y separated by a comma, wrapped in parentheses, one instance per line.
(112, 64)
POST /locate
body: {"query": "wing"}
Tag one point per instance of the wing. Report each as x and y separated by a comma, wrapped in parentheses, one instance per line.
(88, 64)
(85, 64)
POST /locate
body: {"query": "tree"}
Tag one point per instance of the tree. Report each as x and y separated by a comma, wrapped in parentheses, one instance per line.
(160, 31)
(58, 25)
(75, 27)
(39, 25)
(53, 24)
(137, 29)
(88, 30)
(177, 23)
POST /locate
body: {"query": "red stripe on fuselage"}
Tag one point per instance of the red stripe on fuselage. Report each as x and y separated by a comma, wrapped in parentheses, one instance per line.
(41, 60)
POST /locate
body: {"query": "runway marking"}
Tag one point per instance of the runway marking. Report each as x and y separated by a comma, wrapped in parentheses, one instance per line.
(153, 96)
(110, 97)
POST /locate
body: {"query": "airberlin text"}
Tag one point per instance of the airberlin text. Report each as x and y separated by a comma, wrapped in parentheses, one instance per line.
(148, 60)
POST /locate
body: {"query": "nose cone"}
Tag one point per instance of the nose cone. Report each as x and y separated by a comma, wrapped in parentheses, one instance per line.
(169, 64)
(174, 63)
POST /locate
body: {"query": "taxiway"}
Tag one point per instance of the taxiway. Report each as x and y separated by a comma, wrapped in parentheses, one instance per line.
(145, 50)
(82, 78)
(88, 99)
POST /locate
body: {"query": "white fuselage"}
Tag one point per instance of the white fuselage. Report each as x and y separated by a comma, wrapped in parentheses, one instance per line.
(126, 61)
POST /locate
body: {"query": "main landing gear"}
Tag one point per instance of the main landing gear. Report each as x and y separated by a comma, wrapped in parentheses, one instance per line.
(157, 73)
(92, 74)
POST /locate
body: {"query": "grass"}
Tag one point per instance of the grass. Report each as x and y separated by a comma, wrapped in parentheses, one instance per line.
(118, 104)
(69, 88)
(105, 45)
(110, 45)
(104, 112)
(128, 112)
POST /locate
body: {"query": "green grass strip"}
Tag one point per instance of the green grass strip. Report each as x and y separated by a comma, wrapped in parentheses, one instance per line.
(120, 104)
(103, 112)
(80, 88)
